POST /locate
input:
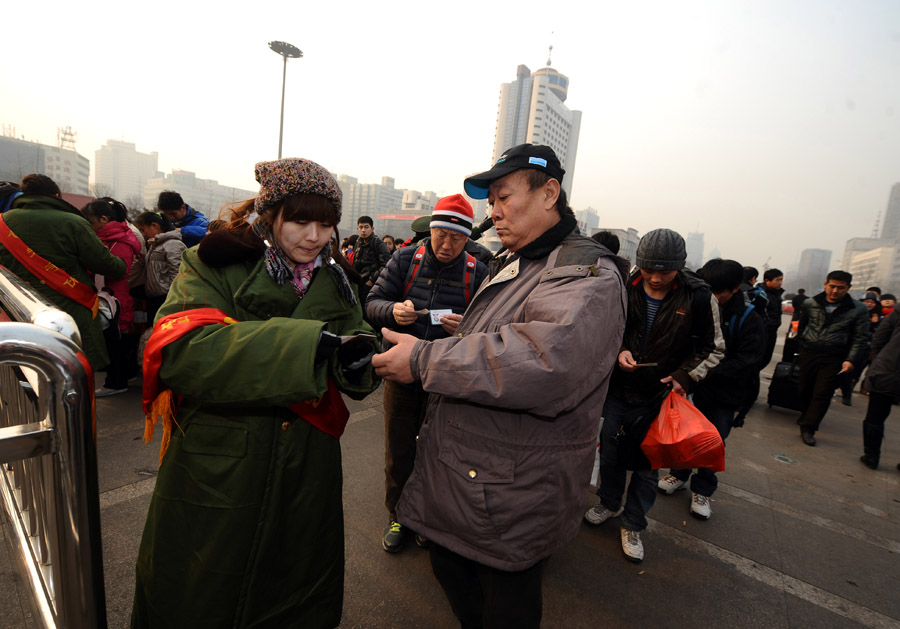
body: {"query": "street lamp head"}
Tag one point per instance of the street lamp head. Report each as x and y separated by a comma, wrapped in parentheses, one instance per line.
(286, 50)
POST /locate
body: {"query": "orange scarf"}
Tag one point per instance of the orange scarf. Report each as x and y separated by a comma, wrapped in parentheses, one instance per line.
(328, 413)
(50, 274)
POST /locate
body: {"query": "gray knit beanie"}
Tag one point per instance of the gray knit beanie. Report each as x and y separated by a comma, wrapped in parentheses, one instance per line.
(661, 250)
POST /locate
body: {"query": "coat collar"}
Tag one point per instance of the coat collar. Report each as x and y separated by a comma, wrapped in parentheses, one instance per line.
(261, 296)
(541, 246)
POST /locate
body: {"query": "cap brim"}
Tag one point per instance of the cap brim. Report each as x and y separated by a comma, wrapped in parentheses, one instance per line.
(421, 224)
(477, 186)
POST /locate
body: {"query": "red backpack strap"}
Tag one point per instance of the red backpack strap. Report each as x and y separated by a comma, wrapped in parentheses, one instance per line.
(469, 277)
(413, 268)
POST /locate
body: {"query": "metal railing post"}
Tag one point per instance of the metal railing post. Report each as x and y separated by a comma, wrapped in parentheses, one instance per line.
(49, 490)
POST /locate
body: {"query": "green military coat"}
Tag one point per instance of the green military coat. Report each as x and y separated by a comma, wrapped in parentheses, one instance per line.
(245, 527)
(57, 232)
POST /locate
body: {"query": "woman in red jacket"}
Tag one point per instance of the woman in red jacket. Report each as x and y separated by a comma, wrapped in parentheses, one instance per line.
(108, 219)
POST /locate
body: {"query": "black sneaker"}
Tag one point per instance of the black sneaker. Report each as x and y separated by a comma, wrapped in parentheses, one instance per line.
(394, 536)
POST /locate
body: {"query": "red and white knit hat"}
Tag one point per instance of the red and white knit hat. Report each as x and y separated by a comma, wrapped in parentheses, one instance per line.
(453, 212)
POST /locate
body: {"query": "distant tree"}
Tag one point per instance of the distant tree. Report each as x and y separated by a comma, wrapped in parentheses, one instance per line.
(101, 190)
(134, 203)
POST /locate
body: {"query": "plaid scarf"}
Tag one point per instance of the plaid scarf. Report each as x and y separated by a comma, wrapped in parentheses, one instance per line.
(279, 269)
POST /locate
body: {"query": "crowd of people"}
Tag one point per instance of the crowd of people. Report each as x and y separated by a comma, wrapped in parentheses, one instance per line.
(503, 376)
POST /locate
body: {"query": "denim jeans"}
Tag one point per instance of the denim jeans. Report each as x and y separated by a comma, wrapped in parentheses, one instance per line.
(643, 485)
(704, 482)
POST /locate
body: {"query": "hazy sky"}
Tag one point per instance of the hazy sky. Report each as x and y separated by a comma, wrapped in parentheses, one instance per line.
(771, 125)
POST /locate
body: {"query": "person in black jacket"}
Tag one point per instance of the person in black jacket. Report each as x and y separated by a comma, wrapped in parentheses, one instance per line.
(369, 256)
(719, 394)
(797, 302)
(771, 284)
(423, 291)
(834, 333)
(883, 384)
(672, 339)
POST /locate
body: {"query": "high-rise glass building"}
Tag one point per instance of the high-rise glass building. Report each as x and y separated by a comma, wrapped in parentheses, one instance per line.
(532, 110)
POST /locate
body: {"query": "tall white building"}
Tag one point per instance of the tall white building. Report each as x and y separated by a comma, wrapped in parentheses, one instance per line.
(588, 220)
(366, 199)
(694, 245)
(814, 266)
(874, 267)
(628, 241)
(125, 171)
(532, 110)
(860, 245)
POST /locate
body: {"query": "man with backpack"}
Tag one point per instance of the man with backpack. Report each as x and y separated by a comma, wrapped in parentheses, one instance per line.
(754, 295)
(672, 339)
(719, 394)
(423, 291)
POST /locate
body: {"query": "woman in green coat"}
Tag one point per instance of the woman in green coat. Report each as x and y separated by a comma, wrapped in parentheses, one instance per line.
(245, 528)
(60, 234)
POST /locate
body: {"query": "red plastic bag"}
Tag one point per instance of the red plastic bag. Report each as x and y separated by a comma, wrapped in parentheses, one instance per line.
(682, 438)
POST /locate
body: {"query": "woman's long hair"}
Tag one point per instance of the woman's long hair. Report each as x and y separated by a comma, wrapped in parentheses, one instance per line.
(299, 207)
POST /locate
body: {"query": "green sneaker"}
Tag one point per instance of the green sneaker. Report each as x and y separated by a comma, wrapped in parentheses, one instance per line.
(394, 536)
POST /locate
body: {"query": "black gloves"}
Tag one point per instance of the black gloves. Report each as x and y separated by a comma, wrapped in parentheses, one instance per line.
(354, 356)
(328, 342)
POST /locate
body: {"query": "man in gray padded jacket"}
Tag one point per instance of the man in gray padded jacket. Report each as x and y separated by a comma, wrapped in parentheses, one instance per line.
(508, 440)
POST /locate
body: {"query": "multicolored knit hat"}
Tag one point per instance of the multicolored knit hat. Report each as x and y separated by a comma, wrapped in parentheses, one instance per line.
(286, 177)
(453, 212)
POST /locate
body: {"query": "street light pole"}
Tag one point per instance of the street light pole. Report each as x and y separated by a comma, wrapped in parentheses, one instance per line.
(286, 50)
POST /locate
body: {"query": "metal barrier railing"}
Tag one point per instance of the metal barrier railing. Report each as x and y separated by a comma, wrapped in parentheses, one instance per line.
(48, 450)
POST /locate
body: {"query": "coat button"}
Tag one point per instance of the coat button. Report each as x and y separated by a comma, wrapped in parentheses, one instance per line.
(285, 425)
(472, 473)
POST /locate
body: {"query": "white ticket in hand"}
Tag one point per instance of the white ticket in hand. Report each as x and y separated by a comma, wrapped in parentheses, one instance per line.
(437, 314)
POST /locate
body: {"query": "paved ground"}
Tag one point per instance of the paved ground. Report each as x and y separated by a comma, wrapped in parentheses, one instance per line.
(799, 537)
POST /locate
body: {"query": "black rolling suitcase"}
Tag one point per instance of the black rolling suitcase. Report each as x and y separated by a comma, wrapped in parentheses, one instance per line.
(784, 388)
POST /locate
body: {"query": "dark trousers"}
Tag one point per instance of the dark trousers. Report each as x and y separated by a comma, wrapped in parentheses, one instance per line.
(404, 407)
(153, 305)
(771, 337)
(704, 481)
(818, 380)
(642, 487)
(481, 596)
(117, 347)
(880, 406)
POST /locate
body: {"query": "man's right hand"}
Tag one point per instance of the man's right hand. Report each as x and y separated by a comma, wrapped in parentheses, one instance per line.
(404, 312)
(626, 361)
